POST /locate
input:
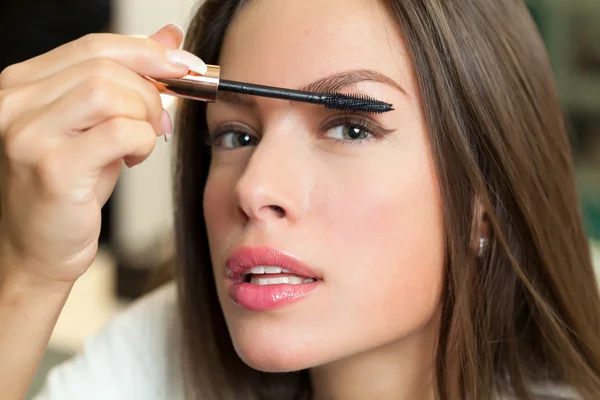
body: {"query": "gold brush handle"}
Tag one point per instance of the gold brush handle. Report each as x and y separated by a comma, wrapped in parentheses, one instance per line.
(192, 86)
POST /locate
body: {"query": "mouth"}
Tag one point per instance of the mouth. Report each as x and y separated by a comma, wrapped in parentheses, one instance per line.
(267, 278)
(268, 266)
(271, 275)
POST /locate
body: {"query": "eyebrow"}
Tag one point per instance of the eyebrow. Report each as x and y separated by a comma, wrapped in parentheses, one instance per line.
(329, 84)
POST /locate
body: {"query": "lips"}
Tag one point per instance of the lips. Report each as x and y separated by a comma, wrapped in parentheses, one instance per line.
(240, 263)
(261, 279)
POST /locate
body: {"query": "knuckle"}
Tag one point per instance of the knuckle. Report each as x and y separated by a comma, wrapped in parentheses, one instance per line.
(17, 145)
(97, 92)
(10, 105)
(7, 75)
(5, 101)
(94, 43)
(14, 148)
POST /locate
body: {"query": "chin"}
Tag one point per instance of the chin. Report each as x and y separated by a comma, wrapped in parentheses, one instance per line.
(275, 352)
(273, 357)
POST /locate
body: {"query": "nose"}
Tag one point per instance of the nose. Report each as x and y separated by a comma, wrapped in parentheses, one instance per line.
(276, 183)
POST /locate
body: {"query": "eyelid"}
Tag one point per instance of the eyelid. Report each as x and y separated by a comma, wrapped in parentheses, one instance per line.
(229, 127)
(233, 126)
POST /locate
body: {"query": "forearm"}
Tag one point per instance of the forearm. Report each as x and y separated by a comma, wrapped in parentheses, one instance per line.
(28, 314)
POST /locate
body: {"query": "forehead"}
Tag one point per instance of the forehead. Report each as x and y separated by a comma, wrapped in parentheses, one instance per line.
(293, 42)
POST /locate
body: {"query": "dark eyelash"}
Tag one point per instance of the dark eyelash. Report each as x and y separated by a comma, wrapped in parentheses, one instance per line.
(213, 137)
(359, 121)
(347, 118)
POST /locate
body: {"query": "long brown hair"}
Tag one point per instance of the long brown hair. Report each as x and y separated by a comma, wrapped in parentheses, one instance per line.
(529, 310)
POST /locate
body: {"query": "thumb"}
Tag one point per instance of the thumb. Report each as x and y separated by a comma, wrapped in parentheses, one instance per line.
(170, 35)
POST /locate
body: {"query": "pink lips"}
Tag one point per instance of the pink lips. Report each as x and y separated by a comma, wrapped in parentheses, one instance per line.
(267, 297)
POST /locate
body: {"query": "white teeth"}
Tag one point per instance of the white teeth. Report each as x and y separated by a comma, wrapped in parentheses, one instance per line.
(257, 270)
(268, 270)
(292, 280)
(255, 279)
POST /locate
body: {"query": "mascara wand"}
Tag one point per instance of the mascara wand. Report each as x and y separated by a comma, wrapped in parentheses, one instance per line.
(205, 88)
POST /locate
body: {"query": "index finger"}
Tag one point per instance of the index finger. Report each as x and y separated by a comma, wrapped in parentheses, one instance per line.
(145, 56)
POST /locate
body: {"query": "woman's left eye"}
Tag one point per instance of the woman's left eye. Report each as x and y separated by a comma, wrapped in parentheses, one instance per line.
(232, 140)
(351, 132)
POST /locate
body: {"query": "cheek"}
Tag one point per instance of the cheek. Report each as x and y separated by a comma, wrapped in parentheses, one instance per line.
(386, 229)
(394, 203)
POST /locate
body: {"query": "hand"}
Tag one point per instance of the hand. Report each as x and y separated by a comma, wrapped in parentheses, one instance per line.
(67, 120)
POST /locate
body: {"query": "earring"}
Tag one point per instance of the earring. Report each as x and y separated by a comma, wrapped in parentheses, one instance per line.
(482, 246)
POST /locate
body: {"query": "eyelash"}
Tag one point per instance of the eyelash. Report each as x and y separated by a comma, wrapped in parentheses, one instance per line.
(212, 138)
(375, 131)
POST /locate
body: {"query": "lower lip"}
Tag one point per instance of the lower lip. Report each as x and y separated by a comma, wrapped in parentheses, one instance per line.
(269, 297)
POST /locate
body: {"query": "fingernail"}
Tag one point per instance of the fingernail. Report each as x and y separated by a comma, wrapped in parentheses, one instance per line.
(167, 137)
(166, 125)
(188, 59)
(178, 27)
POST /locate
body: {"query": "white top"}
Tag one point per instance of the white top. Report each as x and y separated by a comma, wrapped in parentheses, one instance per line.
(135, 357)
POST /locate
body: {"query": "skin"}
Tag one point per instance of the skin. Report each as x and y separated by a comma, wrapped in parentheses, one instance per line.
(365, 214)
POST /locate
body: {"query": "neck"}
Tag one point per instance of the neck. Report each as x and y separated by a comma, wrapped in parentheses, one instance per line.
(401, 370)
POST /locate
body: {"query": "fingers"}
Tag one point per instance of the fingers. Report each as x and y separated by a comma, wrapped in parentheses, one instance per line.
(144, 56)
(86, 105)
(170, 35)
(90, 74)
(67, 119)
(29, 87)
(89, 104)
(111, 141)
(93, 102)
(89, 164)
(79, 110)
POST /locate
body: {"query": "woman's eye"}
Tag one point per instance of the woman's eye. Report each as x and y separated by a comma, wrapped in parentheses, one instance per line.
(232, 140)
(348, 132)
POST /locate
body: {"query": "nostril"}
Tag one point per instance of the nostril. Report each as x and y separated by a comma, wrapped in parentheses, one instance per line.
(278, 210)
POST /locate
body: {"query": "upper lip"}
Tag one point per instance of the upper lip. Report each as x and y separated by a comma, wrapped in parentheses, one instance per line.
(242, 259)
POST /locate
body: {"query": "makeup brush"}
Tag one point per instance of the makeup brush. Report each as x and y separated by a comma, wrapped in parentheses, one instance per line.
(205, 88)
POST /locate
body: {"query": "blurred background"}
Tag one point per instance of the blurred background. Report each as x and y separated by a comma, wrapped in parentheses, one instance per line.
(136, 237)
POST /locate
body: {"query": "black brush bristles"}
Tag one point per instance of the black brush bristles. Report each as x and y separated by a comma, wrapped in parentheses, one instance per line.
(356, 102)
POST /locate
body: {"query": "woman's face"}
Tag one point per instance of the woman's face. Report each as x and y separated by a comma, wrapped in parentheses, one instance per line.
(352, 199)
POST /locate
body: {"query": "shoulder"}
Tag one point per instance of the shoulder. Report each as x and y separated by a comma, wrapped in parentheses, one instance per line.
(553, 391)
(134, 356)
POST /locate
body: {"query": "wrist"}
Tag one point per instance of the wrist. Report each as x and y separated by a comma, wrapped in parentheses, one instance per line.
(19, 283)
(16, 275)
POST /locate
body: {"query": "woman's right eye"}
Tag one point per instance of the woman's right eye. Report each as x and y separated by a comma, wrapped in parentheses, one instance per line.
(233, 140)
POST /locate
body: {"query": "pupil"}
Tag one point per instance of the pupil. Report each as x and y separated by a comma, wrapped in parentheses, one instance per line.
(355, 132)
(244, 140)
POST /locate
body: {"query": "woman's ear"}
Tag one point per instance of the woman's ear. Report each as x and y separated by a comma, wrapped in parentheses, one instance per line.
(480, 233)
